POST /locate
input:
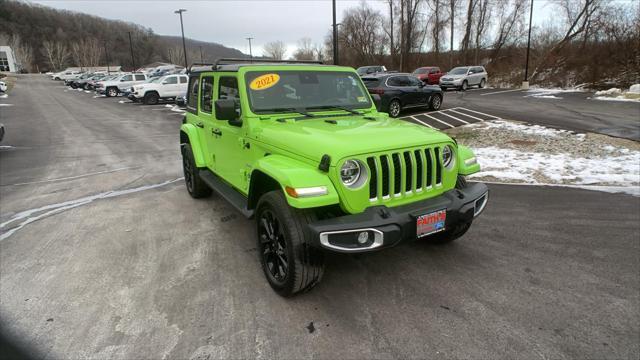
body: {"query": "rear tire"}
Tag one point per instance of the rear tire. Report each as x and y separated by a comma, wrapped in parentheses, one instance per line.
(151, 98)
(395, 108)
(195, 186)
(483, 82)
(289, 261)
(435, 102)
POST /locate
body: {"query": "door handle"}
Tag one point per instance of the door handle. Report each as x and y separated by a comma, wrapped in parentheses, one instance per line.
(216, 132)
(200, 125)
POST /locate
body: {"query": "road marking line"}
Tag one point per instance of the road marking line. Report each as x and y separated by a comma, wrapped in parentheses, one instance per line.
(481, 113)
(500, 92)
(471, 116)
(74, 177)
(440, 121)
(453, 117)
(421, 122)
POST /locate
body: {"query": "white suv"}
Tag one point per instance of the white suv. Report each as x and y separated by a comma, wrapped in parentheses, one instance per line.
(121, 84)
(166, 87)
(464, 76)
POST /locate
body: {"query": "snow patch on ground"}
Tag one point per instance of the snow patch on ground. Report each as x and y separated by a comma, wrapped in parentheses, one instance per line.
(177, 109)
(4, 96)
(612, 91)
(6, 147)
(535, 130)
(634, 89)
(122, 101)
(509, 164)
(617, 98)
(6, 104)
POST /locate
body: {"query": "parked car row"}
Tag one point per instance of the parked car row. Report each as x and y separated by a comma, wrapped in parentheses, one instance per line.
(163, 83)
(460, 78)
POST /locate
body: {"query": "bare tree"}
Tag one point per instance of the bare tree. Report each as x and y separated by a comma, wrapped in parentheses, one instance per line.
(390, 34)
(482, 22)
(437, 24)
(509, 16)
(275, 49)
(577, 22)
(466, 39)
(57, 53)
(361, 34)
(305, 50)
(410, 30)
(452, 19)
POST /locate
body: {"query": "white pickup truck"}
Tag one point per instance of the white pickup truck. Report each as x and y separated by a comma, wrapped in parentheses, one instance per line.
(120, 84)
(167, 87)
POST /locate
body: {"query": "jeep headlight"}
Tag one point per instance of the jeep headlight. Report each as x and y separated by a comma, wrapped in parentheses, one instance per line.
(353, 173)
(447, 157)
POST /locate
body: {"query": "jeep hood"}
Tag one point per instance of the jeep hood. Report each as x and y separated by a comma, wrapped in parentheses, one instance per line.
(348, 136)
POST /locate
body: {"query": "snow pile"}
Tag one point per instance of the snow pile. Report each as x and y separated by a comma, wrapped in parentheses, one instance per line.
(619, 169)
(550, 93)
(535, 130)
(3, 96)
(615, 94)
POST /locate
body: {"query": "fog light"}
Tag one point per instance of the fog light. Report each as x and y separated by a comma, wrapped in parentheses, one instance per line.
(363, 237)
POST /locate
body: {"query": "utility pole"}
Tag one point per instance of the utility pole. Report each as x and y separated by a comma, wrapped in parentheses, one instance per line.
(250, 53)
(184, 46)
(106, 54)
(201, 57)
(133, 61)
(525, 83)
(335, 35)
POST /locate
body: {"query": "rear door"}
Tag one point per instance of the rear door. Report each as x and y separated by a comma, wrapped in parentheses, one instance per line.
(207, 119)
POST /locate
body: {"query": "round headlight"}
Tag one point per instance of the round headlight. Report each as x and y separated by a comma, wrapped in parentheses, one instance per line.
(447, 156)
(350, 172)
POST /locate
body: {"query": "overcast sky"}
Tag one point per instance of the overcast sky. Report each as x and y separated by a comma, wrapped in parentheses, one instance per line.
(229, 22)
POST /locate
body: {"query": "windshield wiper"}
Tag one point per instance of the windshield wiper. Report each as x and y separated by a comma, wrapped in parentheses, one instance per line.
(333, 107)
(301, 112)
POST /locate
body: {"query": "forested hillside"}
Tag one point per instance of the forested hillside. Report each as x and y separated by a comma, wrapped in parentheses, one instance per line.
(49, 39)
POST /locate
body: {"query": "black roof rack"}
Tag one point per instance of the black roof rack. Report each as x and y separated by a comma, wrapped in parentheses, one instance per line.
(233, 61)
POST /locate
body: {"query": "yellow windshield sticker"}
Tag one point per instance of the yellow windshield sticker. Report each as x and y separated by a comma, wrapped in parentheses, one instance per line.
(265, 81)
(362, 99)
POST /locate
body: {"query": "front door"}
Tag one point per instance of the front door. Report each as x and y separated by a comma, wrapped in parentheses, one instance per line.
(229, 149)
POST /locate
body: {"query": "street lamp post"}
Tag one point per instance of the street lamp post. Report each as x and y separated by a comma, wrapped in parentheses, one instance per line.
(201, 57)
(335, 35)
(525, 83)
(184, 46)
(250, 52)
(133, 61)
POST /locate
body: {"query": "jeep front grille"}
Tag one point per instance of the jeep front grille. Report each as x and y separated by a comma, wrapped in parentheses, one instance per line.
(401, 173)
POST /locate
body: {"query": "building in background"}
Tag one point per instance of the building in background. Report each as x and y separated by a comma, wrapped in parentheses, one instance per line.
(7, 60)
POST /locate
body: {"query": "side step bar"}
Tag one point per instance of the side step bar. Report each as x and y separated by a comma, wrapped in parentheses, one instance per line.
(230, 194)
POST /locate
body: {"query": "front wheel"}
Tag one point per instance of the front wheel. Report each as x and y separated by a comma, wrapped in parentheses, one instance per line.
(151, 98)
(195, 186)
(112, 92)
(465, 86)
(394, 108)
(435, 102)
(289, 261)
(483, 82)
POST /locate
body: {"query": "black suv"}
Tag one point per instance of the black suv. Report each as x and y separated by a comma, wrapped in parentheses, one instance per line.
(402, 91)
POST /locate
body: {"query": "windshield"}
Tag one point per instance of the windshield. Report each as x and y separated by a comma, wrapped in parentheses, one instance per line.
(458, 71)
(153, 80)
(273, 91)
(421, 71)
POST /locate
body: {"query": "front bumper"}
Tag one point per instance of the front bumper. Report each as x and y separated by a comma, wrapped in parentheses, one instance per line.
(389, 226)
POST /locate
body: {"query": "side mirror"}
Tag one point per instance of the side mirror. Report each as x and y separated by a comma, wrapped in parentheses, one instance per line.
(226, 109)
(377, 100)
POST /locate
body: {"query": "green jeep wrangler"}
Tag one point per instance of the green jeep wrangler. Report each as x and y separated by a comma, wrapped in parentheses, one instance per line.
(301, 147)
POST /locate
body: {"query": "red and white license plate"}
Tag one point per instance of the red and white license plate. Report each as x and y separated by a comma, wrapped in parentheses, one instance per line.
(431, 223)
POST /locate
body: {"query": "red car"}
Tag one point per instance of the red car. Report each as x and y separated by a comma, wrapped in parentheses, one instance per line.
(429, 74)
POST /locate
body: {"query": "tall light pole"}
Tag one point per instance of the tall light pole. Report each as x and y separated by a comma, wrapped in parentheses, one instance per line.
(133, 61)
(250, 53)
(184, 46)
(201, 57)
(525, 83)
(335, 35)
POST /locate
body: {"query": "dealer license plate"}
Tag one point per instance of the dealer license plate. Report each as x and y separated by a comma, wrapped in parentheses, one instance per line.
(431, 223)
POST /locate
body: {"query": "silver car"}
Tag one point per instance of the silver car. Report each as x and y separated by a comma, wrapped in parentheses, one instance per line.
(463, 77)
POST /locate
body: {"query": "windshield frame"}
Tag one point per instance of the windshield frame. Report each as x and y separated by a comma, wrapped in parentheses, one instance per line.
(248, 74)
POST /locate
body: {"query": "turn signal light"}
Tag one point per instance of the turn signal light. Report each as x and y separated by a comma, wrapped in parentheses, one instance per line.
(306, 192)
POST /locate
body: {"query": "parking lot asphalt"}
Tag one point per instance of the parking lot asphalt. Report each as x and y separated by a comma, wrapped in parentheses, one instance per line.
(115, 260)
(575, 111)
